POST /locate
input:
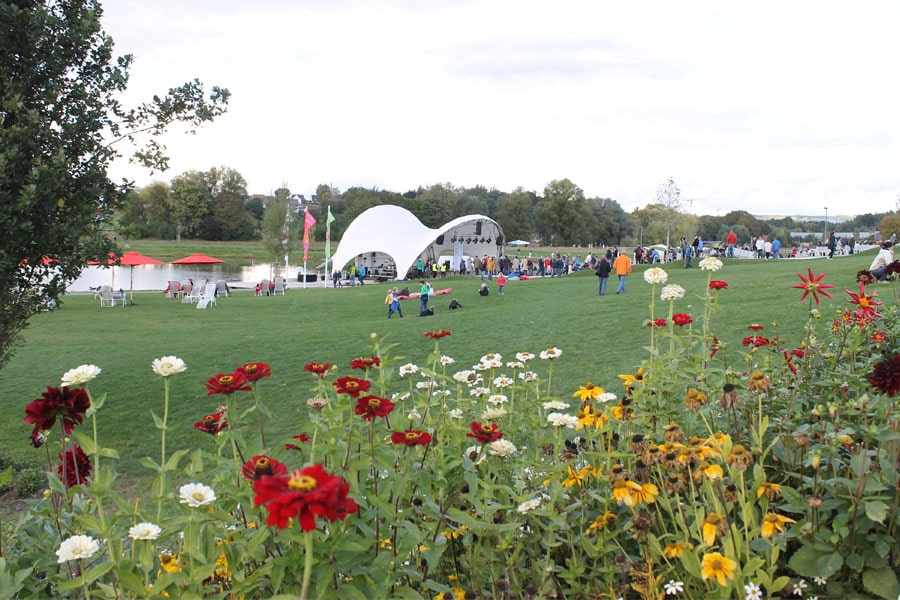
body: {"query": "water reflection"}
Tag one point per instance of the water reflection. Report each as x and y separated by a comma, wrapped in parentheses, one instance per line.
(156, 277)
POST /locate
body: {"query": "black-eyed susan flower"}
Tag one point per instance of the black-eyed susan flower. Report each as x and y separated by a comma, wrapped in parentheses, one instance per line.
(759, 382)
(773, 523)
(601, 523)
(714, 525)
(740, 458)
(676, 549)
(718, 567)
(639, 377)
(588, 391)
(695, 399)
(769, 490)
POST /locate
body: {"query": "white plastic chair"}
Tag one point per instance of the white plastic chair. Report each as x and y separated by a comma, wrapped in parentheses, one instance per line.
(107, 298)
(279, 286)
(207, 296)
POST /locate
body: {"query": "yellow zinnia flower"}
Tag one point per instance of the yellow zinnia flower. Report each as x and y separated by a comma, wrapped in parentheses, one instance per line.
(588, 391)
(718, 567)
(713, 525)
(773, 523)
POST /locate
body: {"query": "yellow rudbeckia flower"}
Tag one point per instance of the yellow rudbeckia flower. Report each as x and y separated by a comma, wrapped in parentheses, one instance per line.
(773, 523)
(588, 391)
(718, 567)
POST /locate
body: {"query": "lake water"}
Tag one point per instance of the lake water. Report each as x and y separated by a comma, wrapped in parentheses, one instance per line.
(156, 277)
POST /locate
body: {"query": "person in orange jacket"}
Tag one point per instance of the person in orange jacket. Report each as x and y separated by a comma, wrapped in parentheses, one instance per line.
(622, 267)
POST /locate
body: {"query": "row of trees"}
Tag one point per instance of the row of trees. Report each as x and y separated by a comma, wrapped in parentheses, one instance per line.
(214, 205)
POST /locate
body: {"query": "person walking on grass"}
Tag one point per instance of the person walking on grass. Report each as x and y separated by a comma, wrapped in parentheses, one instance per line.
(394, 300)
(501, 281)
(622, 267)
(603, 271)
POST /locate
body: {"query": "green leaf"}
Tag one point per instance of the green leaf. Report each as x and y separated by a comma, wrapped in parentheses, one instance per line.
(157, 421)
(150, 463)
(805, 561)
(882, 582)
(86, 442)
(109, 453)
(6, 477)
(172, 463)
(876, 510)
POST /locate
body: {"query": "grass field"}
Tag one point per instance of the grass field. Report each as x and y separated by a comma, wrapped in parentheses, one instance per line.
(601, 337)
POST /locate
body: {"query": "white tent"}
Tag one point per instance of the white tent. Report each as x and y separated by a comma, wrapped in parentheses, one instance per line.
(389, 240)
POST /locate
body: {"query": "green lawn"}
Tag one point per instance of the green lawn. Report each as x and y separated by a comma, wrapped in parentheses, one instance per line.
(601, 337)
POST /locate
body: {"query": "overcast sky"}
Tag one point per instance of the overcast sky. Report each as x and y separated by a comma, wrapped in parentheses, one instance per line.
(770, 107)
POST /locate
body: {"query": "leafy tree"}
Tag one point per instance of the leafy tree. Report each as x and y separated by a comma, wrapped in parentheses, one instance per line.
(612, 223)
(557, 214)
(61, 123)
(514, 214)
(889, 225)
(192, 202)
(280, 226)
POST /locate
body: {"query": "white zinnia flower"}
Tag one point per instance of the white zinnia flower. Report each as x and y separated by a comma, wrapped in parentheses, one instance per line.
(479, 391)
(524, 356)
(503, 381)
(515, 364)
(551, 353)
(493, 413)
(467, 376)
(456, 413)
(414, 415)
(710, 263)
(672, 291)
(80, 375)
(563, 420)
(76, 548)
(529, 505)
(408, 369)
(606, 397)
(556, 405)
(446, 360)
(144, 531)
(497, 399)
(480, 367)
(424, 385)
(655, 275)
(168, 366)
(196, 494)
(491, 357)
(472, 454)
(398, 397)
(317, 403)
(502, 448)
(528, 376)
(494, 363)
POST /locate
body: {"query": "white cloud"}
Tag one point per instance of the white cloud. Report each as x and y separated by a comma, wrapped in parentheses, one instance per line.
(767, 107)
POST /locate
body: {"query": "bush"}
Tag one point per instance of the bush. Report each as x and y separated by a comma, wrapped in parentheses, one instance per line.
(28, 481)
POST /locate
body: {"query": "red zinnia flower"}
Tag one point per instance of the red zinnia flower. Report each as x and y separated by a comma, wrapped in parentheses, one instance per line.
(214, 423)
(483, 434)
(755, 327)
(757, 340)
(77, 467)
(717, 284)
(373, 406)
(310, 492)
(682, 319)
(228, 384)
(67, 404)
(255, 371)
(352, 386)
(885, 376)
(411, 437)
(365, 363)
(657, 322)
(303, 437)
(261, 465)
(438, 334)
(317, 368)
(798, 353)
(813, 285)
(866, 303)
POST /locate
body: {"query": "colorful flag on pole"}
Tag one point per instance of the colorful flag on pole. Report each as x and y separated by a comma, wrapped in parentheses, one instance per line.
(328, 221)
(308, 221)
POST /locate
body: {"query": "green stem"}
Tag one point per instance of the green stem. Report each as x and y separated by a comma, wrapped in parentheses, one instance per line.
(162, 452)
(262, 434)
(307, 564)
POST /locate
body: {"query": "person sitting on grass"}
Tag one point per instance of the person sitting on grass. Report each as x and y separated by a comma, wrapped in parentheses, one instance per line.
(427, 312)
(454, 304)
(484, 291)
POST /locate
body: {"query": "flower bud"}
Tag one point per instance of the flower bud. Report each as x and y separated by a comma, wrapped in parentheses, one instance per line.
(815, 459)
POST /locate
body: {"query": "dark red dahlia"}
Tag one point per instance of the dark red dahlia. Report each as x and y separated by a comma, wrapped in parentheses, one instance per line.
(255, 371)
(64, 403)
(484, 434)
(228, 384)
(372, 406)
(352, 386)
(865, 277)
(74, 467)
(365, 363)
(411, 437)
(261, 465)
(310, 492)
(885, 376)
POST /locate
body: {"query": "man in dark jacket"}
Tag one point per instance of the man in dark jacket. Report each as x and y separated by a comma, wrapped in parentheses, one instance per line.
(603, 270)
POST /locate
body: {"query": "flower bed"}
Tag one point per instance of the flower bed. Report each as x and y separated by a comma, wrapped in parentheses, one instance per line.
(768, 469)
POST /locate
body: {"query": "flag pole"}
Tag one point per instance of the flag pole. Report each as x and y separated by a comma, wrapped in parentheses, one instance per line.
(308, 221)
(328, 221)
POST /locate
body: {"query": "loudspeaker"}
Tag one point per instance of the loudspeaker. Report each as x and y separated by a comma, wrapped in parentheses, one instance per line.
(439, 240)
(477, 227)
(499, 240)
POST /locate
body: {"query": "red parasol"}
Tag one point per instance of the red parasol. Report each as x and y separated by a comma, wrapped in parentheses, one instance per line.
(197, 259)
(135, 259)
